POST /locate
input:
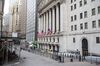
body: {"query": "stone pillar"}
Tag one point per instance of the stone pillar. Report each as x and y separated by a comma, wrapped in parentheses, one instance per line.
(57, 18)
(50, 19)
(41, 22)
(53, 26)
(46, 22)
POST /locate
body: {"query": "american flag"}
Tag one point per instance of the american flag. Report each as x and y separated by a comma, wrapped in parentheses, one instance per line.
(49, 32)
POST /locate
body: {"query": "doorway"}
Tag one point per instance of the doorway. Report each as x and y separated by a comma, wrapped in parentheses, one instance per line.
(85, 47)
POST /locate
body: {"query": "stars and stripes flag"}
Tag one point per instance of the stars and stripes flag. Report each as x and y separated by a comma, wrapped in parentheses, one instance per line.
(49, 32)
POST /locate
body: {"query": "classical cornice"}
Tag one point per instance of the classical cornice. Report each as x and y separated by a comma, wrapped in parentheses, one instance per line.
(45, 4)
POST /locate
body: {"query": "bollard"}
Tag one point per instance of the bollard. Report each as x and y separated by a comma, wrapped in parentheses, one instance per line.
(59, 58)
(71, 60)
(62, 59)
(79, 58)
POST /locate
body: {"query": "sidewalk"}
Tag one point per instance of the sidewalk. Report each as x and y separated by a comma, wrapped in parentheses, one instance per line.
(30, 59)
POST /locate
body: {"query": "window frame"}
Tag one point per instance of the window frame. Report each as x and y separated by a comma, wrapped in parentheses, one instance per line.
(71, 27)
(75, 6)
(71, 18)
(99, 23)
(97, 39)
(94, 24)
(81, 15)
(85, 14)
(75, 17)
(81, 26)
(86, 25)
(93, 11)
(74, 40)
(71, 7)
(98, 9)
(85, 2)
(75, 27)
(80, 3)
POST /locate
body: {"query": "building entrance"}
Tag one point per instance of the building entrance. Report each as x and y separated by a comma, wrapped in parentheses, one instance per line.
(85, 47)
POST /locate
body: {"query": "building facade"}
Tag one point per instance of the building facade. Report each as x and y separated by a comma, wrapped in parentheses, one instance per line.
(1, 15)
(69, 25)
(50, 26)
(6, 20)
(22, 19)
(18, 11)
(30, 26)
(84, 26)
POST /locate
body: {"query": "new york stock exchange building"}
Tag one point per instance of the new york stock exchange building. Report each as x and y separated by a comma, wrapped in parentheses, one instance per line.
(69, 26)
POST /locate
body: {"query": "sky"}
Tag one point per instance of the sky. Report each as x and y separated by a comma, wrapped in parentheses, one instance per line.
(6, 7)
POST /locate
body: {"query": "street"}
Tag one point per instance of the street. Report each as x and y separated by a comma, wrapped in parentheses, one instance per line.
(30, 59)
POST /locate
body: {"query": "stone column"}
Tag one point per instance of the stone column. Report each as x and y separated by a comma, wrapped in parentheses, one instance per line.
(57, 19)
(39, 24)
(46, 22)
(50, 19)
(53, 20)
(43, 22)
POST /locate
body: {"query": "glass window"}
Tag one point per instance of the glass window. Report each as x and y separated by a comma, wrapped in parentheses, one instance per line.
(72, 28)
(93, 24)
(86, 25)
(93, 11)
(99, 23)
(73, 40)
(80, 3)
(97, 39)
(81, 26)
(81, 15)
(85, 14)
(85, 2)
(75, 17)
(71, 8)
(98, 9)
(71, 18)
(71, 1)
(75, 27)
(74, 6)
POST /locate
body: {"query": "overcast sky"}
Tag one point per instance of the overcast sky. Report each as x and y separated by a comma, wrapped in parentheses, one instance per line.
(6, 7)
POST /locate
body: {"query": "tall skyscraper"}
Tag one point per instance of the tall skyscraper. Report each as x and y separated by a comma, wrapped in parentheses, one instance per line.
(22, 18)
(30, 28)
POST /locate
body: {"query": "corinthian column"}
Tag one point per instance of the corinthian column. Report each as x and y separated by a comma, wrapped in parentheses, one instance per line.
(57, 18)
(53, 20)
